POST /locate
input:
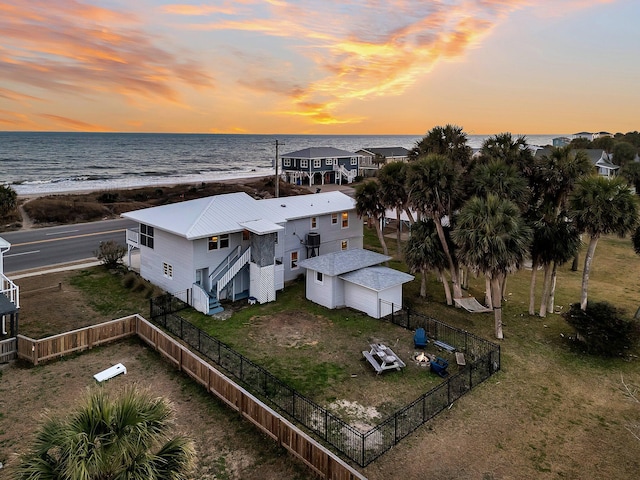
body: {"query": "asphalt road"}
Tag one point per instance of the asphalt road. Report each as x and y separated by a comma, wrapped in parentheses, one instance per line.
(45, 247)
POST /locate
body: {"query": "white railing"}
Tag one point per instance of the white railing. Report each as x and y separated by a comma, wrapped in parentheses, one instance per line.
(133, 237)
(10, 290)
(233, 271)
(199, 299)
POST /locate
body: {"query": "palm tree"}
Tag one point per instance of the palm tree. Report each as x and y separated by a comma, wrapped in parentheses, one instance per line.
(369, 204)
(126, 437)
(501, 179)
(423, 252)
(601, 206)
(493, 239)
(392, 178)
(450, 141)
(433, 181)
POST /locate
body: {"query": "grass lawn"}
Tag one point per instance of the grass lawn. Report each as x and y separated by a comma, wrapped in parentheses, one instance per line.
(552, 412)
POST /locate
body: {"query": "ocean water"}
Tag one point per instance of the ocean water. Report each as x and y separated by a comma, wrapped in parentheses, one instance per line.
(53, 162)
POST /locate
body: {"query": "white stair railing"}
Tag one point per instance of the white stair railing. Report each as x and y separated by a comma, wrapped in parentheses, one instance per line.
(233, 271)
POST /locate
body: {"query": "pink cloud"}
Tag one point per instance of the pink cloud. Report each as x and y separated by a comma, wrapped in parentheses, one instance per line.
(75, 48)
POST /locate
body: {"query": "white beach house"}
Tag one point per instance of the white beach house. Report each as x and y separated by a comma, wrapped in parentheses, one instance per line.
(233, 246)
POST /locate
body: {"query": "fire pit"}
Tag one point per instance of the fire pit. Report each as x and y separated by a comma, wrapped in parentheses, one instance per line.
(422, 359)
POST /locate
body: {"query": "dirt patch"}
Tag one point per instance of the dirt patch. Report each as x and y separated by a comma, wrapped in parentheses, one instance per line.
(49, 305)
(289, 329)
(228, 447)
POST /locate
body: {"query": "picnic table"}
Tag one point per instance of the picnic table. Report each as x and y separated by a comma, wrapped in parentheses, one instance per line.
(382, 358)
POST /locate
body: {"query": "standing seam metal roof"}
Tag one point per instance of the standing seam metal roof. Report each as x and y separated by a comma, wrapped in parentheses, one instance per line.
(226, 213)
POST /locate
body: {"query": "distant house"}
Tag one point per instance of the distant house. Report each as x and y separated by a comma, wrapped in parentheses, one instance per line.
(561, 141)
(601, 160)
(319, 166)
(371, 156)
(588, 135)
(354, 278)
(233, 246)
(9, 298)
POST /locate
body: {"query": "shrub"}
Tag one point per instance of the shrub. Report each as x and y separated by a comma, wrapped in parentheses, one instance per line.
(8, 199)
(110, 253)
(129, 280)
(603, 329)
(108, 197)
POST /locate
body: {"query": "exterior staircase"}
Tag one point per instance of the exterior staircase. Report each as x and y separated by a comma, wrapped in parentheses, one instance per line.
(350, 175)
(222, 276)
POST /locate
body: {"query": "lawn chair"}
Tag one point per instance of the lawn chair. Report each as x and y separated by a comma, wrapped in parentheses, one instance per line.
(420, 338)
(439, 366)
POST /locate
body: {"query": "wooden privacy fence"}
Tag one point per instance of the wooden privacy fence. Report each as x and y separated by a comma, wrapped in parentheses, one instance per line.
(318, 458)
(8, 350)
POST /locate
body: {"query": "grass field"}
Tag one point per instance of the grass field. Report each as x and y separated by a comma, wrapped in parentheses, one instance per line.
(552, 412)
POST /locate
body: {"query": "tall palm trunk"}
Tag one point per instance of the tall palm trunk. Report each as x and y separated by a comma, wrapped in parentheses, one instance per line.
(587, 267)
(423, 282)
(398, 234)
(487, 291)
(381, 236)
(552, 289)
(532, 288)
(447, 290)
(457, 291)
(546, 285)
(496, 294)
(410, 215)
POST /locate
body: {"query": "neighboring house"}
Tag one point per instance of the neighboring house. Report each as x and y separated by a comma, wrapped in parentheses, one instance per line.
(561, 141)
(320, 165)
(588, 135)
(602, 134)
(9, 298)
(354, 278)
(371, 156)
(601, 160)
(233, 246)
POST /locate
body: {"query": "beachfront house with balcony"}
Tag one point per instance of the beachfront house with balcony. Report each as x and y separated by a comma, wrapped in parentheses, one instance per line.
(320, 166)
(9, 299)
(232, 246)
(373, 157)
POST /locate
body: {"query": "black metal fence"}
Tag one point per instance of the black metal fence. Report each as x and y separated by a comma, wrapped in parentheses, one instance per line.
(362, 448)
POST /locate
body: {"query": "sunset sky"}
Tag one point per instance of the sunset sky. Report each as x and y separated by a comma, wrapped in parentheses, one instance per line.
(320, 66)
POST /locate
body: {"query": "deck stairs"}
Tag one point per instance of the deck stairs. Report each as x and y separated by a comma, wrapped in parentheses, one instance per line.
(350, 175)
(223, 274)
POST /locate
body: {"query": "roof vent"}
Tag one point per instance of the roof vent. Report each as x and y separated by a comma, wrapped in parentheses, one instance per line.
(282, 205)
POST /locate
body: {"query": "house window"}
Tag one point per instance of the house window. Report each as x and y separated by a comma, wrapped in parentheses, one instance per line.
(294, 260)
(219, 241)
(146, 235)
(167, 270)
(246, 235)
(330, 161)
(344, 245)
(314, 223)
(319, 277)
(334, 219)
(304, 163)
(287, 162)
(317, 163)
(345, 219)
(354, 161)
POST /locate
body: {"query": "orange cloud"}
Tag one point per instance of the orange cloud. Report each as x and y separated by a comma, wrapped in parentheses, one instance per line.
(65, 123)
(375, 48)
(72, 47)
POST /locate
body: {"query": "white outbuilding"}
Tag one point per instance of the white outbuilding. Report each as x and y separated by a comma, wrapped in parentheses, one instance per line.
(354, 278)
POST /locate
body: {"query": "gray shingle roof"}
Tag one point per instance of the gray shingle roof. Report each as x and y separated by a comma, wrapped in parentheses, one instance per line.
(387, 151)
(377, 278)
(319, 152)
(344, 261)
